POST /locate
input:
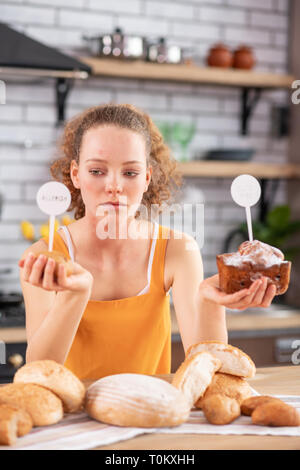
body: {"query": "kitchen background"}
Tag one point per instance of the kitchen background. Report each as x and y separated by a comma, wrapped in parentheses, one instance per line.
(29, 116)
(28, 119)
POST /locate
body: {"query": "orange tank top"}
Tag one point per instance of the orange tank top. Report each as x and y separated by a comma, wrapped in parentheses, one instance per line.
(129, 335)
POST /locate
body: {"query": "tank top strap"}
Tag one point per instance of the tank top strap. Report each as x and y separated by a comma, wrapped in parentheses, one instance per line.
(158, 265)
(69, 241)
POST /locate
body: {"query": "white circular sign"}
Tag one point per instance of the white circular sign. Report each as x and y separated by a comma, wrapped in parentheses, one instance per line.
(245, 190)
(53, 198)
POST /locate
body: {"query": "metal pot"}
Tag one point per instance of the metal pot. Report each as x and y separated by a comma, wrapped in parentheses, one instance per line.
(117, 45)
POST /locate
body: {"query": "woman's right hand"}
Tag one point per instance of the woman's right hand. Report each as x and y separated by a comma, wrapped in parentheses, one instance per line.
(39, 271)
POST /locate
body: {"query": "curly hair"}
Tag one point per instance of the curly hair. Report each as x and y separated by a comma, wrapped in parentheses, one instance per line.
(165, 179)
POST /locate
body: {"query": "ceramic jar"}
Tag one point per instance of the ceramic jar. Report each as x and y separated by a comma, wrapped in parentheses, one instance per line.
(220, 56)
(243, 58)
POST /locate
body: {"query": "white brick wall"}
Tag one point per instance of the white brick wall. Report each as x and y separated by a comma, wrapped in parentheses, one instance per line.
(30, 113)
(221, 15)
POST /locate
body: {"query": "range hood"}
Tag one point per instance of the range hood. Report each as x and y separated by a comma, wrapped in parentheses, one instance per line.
(22, 56)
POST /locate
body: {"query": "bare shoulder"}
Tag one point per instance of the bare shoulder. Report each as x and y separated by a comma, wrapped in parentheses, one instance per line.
(182, 250)
(36, 247)
(180, 242)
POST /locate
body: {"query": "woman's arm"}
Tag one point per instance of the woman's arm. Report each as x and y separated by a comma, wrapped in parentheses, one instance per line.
(199, 303)
(55, 334)
(53, 310)
(198, 319)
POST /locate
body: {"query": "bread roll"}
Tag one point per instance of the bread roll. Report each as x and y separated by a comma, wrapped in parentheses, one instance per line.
(13, 422)
(195, 374)
(227, 385)
(136, 400)
(249, 404)
(56, 378)
(42, 405)
(8, 425)
(24, 420)
(275, 413)
(234, 361)
(60, 258)
(220, 409)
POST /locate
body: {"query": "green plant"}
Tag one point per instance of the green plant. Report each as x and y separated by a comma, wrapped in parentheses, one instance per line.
(276, 230)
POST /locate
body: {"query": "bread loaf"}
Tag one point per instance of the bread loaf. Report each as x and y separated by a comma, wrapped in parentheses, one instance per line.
(55, 377)
(136, 400)
(233, 360)
(195, 374)
(220, 409)
(14, 422)
(227, 385)
(43, 406)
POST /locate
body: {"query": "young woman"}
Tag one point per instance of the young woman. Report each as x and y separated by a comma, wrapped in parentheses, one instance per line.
(112, 314)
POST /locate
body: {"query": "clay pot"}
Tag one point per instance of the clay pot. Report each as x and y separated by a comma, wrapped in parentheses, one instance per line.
(243, 58)
(220, 56)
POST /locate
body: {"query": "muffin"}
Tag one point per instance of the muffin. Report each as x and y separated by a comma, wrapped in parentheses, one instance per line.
(59, 258)
(252, 261)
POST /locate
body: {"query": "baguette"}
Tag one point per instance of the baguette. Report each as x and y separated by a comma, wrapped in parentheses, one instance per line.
(227, 385)
(220, 409)
(275, 413)
(248, 405)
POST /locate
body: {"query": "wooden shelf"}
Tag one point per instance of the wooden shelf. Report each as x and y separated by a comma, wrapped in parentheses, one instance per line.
(231, 169)
(13, 335)
(186, 73)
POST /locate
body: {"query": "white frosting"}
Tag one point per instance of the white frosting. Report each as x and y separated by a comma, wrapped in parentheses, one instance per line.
(256, 254)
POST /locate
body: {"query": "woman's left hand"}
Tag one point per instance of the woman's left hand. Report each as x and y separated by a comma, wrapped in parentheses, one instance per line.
(259, 294)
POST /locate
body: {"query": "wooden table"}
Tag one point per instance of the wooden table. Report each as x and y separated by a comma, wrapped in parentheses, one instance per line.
(269, 381)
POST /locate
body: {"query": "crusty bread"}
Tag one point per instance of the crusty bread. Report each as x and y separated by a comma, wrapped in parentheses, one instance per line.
(220, 409)
(249, 404)
(8, 425)
(60, 258)
(275, 413)
(227, 385)
(136, 400)
(14, 422)
(55, 377)
(233, 360)
(195, 374)
(24, 420)
(43, 406)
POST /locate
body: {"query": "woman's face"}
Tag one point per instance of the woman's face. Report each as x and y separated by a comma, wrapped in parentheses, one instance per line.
(112, 168)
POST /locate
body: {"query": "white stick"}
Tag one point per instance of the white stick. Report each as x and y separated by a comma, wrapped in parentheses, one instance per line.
(51, 231)
(249, 223)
